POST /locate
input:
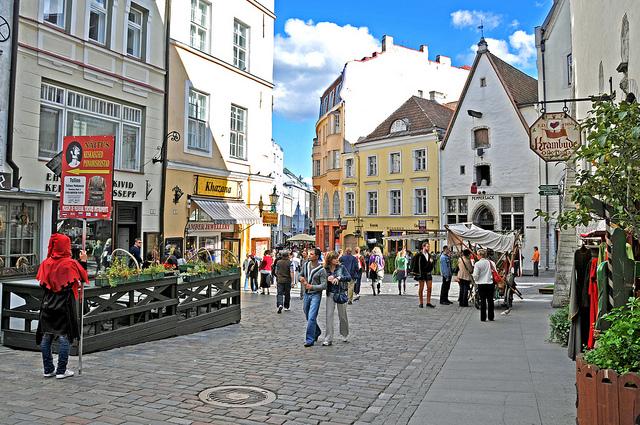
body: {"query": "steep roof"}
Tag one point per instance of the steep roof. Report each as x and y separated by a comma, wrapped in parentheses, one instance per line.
(422, 116)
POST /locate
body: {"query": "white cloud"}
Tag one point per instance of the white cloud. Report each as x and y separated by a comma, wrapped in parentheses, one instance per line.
(473, 18)
(309, 57)
(514, 24)
(519, 50)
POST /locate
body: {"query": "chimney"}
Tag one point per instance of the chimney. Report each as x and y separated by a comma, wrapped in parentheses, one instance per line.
(483, 47)
(437, 96)
(387, 42)
(444, 60)
(424, 49)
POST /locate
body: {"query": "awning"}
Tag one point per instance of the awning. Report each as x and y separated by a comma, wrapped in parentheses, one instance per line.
(431, 234)
(228, 212)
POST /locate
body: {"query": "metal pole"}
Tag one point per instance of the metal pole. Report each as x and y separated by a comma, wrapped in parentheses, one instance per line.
(84, 248)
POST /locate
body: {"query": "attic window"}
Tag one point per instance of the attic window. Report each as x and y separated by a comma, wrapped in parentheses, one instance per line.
(399, 125)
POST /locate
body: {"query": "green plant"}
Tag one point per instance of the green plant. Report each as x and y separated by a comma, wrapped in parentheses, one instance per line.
(120, 270)
(618, 347)
(560, 325)
(154, 269)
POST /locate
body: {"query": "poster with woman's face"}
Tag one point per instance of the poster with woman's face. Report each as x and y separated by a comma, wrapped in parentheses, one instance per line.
(73, 154)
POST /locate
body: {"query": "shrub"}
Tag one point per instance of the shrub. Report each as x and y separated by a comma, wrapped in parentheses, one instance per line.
(560, 325)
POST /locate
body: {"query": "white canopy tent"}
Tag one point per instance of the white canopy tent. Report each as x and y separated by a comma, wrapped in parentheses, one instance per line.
(459, 234)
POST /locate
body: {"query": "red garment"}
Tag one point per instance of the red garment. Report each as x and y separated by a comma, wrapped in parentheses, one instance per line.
(593, 300)
(59, 270)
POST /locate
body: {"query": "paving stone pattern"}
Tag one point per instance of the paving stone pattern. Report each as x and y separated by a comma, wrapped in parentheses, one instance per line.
(380, 376)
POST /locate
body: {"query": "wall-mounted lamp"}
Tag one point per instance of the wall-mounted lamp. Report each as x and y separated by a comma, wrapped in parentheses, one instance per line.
(177, 194)
(273, 198)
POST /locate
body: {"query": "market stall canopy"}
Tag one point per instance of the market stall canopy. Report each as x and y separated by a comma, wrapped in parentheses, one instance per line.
(302, 237)
(463, 233)
(226, 212)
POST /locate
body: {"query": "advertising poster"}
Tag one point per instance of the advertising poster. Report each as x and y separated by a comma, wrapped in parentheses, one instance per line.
(87, 177)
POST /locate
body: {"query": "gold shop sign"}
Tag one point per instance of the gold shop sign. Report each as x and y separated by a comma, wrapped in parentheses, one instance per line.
(211, 186)
(269, 218)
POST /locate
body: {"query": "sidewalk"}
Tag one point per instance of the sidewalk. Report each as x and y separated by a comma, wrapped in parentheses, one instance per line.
(504, 372)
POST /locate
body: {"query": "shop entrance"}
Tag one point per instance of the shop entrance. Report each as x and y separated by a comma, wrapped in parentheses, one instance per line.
(233, 246)
(127, 228)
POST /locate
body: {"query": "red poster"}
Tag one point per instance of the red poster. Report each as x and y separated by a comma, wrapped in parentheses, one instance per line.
(87, 177)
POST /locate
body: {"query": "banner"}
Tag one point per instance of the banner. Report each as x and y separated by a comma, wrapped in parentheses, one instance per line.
(87, 177)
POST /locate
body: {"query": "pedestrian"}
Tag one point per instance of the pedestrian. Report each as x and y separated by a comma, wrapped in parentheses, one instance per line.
(106, 254)
(352, 267)
(265, 271)
(422, 269)
(97, 254)
(252, 272)
(483, 276)
(135, 252)
(362, 266)
(376, 269)
(536, 260)
(60, 276)
(303, 262)
(314, 280)
(245, 265)
(337, 281)
(401, 271)
(446, 272)
(517, 257)
(295, 259)
(284, 276)
(465, 269)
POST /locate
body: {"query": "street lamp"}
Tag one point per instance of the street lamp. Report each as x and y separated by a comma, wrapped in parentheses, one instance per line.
(273, 198)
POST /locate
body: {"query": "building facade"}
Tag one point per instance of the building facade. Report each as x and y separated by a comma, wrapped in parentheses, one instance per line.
(299, 207)
(84, 68)
(221, 91)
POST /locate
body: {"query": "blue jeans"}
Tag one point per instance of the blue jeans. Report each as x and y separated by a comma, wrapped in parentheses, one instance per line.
(47, 357)
(311, 306)
(356, 287)
(246, 282)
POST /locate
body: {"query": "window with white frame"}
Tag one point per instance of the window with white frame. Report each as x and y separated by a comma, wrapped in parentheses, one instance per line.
(394, 163)
(420, 196)
(198, 116)
(348, 167)
(135, 31)
(67, 112)
(316, 167)
(336, 123)
(398, 126)
(457, 210)
(372, 203)
(349, 203)
(372, 166)
(240, 45)
(395, 202)
(200, 25)
(512, 212)
(419, 160)
(55, 12)
(98, 17)
(238, 141)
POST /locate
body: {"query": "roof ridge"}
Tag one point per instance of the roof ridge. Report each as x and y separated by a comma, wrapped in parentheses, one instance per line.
(414, 98)
(511, 66)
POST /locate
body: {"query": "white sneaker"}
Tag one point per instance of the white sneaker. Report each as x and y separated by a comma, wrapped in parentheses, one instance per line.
(345, 339)
(326, 343)
(286, 309)
(49, 375)
(67, 374)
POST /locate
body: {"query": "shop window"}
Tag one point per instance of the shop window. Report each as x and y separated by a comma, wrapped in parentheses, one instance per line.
(457, 210)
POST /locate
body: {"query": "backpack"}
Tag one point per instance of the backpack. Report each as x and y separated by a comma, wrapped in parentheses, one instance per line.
(373, 267)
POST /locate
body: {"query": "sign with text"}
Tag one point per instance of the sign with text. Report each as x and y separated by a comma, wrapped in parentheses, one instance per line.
(554, 136)
(269, 218)
(549, 189)
(209, 227)
(87, 177)
(211, 186)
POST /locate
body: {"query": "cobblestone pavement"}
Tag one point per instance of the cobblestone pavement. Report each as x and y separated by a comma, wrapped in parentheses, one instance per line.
(380, 376)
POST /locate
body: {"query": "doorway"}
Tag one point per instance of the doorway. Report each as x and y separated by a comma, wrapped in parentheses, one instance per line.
(484, 218)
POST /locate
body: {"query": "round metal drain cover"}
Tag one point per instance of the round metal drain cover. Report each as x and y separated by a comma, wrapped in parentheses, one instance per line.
(237, 396)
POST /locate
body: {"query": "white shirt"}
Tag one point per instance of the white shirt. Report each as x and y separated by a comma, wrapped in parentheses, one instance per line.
(482, 272)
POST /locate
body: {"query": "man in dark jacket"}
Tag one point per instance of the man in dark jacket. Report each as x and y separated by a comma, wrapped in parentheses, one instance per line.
(135, 251)
(284, 272)
(352, 265)
(421, 268)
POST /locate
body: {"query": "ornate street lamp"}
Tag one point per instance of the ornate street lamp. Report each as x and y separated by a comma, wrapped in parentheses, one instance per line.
(273, 198)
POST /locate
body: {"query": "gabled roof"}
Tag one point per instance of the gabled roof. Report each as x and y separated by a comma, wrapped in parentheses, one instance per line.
(520, 87)
(422, 116)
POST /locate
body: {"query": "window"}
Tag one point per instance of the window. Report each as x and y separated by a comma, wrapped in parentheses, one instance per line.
(372, 203)
(54, 12)
(67, 112)
(512, 212)
(240, 45)
(481, 138)
(336, 204)
(325, 205)
(394, 163)
(135, 32)
(19, 234)
(398, 125)
(483, 175)
(98, 21)
(316, 167)
(348, 167)
(395, 202)
(238, 132)
(462, 170)
(372, 166)
(197, 133)
(483, 82)
(199, 25)
(420, 201)
(569, 69)
(336, 123)
(349, 203)
(456, 210)
(334, 159)
(420, 160)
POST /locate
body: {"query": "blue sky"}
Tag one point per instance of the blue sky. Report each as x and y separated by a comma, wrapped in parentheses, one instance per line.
(315, 38)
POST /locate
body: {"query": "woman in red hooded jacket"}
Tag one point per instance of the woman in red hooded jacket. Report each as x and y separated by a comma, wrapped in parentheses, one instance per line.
(60, 276)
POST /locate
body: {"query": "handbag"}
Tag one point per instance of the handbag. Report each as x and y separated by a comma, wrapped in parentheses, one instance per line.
(497, 279)
(340, 297)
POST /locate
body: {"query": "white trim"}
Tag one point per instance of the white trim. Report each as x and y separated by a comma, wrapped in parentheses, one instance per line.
(207, 154)
(346, 193)
(377, 166)
(426, 160)
(390, 201)
(377, 203)
(415, 201)
(395, 141)
(390, 163)
(246, 48)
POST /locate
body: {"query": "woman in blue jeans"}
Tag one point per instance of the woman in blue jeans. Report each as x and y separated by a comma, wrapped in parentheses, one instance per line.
(60, 276)
(314, 280)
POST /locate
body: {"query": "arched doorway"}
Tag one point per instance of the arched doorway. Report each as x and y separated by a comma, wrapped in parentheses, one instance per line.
(484, 218)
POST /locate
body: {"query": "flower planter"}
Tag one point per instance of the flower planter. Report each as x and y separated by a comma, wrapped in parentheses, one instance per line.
(101, 282)
(605, 397)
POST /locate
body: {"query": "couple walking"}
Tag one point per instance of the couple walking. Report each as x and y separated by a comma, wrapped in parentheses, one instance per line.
(316, 278)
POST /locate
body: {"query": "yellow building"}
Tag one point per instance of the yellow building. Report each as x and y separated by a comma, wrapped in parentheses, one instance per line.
(390, 182)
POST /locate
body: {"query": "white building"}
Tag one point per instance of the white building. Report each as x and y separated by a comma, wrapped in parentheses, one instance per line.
(301, 203)
(488, 144)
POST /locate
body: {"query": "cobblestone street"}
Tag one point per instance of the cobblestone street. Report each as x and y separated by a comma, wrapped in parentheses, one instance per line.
(381, 375)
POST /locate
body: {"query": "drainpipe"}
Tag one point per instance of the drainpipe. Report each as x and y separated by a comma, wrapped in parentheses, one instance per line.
(165, 124)
(15, 170)
(546, 164)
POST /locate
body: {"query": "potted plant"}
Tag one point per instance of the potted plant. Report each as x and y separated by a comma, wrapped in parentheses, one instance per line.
(102, 279)
(154, 272)
(120, 272)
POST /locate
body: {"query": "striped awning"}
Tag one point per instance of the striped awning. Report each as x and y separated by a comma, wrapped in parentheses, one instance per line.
(224, 212)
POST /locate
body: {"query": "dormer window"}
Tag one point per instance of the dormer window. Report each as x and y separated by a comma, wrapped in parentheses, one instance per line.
(399, 125)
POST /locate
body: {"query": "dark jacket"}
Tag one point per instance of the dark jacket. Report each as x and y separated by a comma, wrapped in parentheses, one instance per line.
(283, 271)
(421, 267)
(351, 264)
(135, 251)
(343, 276)
(252, 267)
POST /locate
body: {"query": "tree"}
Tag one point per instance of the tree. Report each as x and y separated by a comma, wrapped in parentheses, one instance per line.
(611, 171)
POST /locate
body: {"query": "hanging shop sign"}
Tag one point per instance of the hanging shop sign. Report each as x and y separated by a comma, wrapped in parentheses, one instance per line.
(269, 218)
(211, 186)
(87, 177)
(554, 136)
(209, 227)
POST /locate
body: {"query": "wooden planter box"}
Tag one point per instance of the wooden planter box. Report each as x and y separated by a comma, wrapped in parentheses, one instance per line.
(606, 398)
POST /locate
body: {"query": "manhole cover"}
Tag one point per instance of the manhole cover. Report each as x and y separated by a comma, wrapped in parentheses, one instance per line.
(237, 396)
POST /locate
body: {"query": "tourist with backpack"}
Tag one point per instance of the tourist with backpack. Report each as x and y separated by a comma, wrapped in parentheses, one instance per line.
(376, 269)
